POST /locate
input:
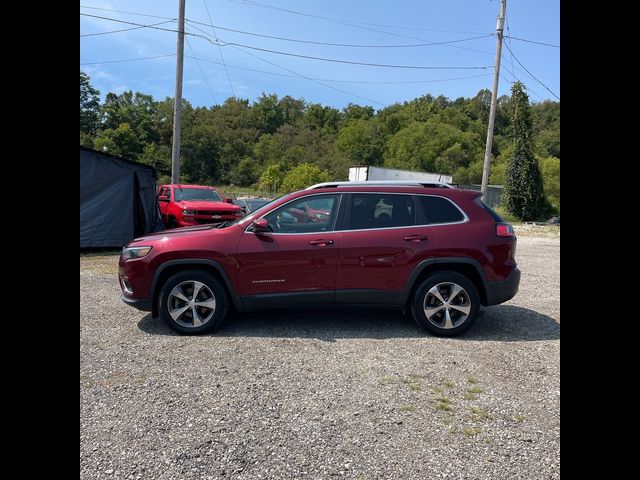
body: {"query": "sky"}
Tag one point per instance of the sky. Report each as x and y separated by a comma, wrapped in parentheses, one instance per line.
(376, 27)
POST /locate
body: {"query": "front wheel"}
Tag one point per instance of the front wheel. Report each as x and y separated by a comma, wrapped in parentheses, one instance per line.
(446, 304)
(193, 302)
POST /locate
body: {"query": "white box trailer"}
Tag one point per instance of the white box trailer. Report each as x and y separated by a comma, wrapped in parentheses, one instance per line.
(369, 173)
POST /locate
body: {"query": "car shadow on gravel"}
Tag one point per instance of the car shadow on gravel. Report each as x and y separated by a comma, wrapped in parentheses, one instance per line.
(499, 323)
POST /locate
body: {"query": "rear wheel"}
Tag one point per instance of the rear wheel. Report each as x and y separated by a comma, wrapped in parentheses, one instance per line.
(446, 304)
(193, 302)
(172, 223)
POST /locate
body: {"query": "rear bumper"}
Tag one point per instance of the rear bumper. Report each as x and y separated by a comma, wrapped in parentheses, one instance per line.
(140, 304)
(499, 292)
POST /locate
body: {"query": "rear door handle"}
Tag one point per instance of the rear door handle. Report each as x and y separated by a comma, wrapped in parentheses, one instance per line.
(416, 238)
(321, 243)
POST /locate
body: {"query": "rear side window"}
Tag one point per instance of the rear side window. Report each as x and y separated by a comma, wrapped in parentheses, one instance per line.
(380, 210)
(490, 211)
(439, 210)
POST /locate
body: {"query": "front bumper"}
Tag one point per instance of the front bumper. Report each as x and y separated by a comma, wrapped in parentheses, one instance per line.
(503, 290)
(140, 304)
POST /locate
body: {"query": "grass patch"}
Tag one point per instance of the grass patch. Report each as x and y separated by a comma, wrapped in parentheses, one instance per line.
(448, 383)
(480, 413)
(448, 421)
(387, 380)
(444, 404)
(416, 377)
(408, 408)
(471, 431)
(416, 387)
(519, 418)
(437, 390)
(473, 380)
(472, 393)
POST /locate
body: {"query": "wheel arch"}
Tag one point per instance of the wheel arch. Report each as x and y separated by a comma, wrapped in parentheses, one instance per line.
(171, 267)
(468, 267)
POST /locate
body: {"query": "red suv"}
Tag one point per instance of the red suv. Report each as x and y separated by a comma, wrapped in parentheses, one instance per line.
(439, 252)
(187, 205)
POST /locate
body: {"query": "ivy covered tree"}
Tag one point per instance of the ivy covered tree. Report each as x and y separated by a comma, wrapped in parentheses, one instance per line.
(523, 191)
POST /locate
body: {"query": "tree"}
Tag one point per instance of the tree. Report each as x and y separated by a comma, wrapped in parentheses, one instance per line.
(361, 142)
(272, 177)
(122, 141)
(158, 156)
(302, 176)
(89, 106)
(523, 191)
(268, 113)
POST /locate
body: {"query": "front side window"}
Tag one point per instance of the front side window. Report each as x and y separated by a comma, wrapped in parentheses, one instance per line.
(380, 210)
(196, 194)
(306, 215)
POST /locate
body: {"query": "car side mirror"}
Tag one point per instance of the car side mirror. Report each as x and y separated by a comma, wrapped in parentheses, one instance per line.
(228, 200)
(260, 225)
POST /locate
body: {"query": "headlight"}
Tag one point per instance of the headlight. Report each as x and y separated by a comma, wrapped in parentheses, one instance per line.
(189, 212)
(135, 252)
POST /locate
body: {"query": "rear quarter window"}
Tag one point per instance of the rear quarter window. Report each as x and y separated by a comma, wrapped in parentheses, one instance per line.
(439, 210)
(490, 210)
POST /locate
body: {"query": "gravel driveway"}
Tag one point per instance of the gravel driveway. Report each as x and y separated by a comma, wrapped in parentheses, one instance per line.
(322, 394)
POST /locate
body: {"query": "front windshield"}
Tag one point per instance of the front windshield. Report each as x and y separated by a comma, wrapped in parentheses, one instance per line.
(255, 204)
(197, 194)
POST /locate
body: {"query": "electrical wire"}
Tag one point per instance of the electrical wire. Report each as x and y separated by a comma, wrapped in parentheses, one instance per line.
(129, 59)
(219, 48)
(127, 29)
(204, 77)
(534, 41)
(310, 57)
(530, 74)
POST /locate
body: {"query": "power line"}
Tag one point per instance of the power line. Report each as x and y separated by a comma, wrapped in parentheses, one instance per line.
(310, 57)
(129, 59)
(127, 29)
(350, 45)
(530, 74)
(204, 77)
(516, 79)
(364, 82)
(311, 79)
(120, 11)
(340, 20)
(534, 41)
(219, 48)
(360, 25)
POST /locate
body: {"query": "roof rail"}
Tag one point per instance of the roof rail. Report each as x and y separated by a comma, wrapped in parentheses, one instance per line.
(380, 183)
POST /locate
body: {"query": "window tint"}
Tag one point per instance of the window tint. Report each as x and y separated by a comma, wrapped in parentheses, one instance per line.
(306, 215)
(380, 210)
(440, 210)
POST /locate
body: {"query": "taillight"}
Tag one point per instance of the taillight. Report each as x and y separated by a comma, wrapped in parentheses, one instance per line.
(504, 230)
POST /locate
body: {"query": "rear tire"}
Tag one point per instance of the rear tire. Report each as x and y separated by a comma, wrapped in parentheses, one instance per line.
(446, 304)
(191, 314)
(172, 223)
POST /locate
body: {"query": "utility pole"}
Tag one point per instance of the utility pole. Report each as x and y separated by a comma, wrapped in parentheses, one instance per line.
(494, 99)
(177, 108)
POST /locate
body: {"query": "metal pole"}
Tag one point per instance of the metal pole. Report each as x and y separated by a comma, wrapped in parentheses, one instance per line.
(177, 108)
(494, 100)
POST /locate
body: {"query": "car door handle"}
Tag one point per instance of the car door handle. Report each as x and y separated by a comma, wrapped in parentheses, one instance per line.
(416, 238)
(321, 243)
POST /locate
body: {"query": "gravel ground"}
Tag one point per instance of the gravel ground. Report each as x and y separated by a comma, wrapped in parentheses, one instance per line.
(322, 394)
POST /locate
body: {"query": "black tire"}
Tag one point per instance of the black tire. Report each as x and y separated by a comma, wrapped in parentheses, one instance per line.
(172, 223)
(467, 299)
(211, 289)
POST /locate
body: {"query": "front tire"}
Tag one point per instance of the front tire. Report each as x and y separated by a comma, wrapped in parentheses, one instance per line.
(446, 304)
(193, 302)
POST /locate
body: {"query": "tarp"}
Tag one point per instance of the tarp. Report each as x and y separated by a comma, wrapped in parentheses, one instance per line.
(117, 200)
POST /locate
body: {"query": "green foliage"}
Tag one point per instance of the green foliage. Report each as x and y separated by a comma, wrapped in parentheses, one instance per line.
(524, 192)
(271, 178)
(302, 176)
(89, 106)
(245, 144)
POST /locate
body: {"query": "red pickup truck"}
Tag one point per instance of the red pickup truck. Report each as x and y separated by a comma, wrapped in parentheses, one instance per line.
(188, 205)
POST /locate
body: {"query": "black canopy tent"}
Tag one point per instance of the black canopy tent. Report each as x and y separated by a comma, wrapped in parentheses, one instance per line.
(117, 200)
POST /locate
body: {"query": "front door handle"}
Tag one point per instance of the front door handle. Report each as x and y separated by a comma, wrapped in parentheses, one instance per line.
(321, 243)
(416, 238)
